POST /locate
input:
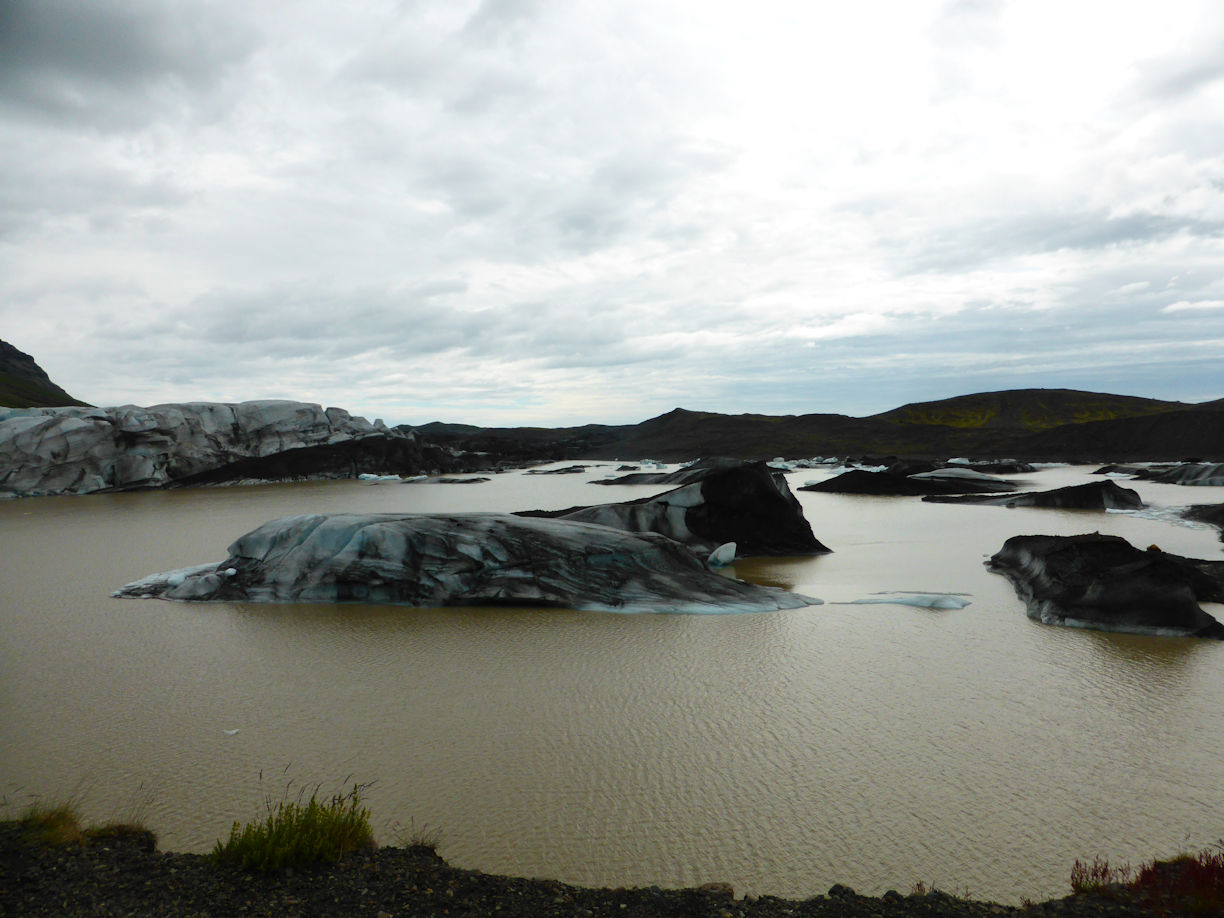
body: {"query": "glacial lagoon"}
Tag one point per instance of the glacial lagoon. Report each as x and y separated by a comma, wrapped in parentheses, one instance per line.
(870, 744)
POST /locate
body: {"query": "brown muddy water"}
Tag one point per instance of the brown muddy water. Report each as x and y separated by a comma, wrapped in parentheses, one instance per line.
(871, 745)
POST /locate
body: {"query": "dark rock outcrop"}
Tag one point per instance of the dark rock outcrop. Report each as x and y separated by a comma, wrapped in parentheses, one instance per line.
(745, 503)
(1097, 495)
(24, 384)
(1103, 582)
(462, 559)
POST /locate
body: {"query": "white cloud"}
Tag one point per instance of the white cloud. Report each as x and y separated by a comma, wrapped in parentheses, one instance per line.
(1200, 306)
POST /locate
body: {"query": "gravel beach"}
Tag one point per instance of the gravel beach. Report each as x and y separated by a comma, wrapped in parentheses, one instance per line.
(126, 877)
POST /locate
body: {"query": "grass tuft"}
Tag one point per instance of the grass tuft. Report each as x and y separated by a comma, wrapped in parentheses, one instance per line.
(57, 823)
(417, 838)
(56, 826)
(297, 834)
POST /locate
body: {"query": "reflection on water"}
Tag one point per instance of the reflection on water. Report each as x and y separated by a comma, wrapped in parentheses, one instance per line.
(873, 745)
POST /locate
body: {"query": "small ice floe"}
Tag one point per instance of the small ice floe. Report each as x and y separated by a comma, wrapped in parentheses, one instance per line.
(367, 476)
(958, 474)
(722, 556)
(918, 600)
(1172, 515)
(230, 732)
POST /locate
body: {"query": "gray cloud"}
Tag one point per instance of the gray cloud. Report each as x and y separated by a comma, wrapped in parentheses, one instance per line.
(111, 65)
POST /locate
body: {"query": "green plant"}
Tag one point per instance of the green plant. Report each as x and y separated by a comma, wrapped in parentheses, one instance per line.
(300, 834)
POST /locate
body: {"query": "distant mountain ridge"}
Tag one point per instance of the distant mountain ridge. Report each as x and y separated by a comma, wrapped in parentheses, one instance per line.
(1035, 424)
(24, 384)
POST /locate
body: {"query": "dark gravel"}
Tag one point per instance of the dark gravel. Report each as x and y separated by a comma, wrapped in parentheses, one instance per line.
(126, 878)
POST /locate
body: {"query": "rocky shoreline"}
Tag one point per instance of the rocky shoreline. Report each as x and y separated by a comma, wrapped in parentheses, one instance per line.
(125, 876)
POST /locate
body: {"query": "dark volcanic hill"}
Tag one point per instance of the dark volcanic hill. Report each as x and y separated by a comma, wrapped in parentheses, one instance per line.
(1190, 433)
(1034, 424)
(1028, 409)
(24, 384)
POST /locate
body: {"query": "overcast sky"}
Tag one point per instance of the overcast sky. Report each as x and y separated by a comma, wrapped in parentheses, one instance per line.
(557, 211)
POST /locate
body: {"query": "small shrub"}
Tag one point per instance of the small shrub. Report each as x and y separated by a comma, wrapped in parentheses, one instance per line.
(300, 834)
(1097, 876)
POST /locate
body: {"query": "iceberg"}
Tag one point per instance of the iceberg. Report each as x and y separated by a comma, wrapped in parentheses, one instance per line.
(722, 556)
(745, 502)
(1103, 582)
(1096, 495)
(462, 559)
(962, 475)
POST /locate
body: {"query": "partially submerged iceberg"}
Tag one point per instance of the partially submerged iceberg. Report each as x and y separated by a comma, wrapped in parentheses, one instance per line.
(686, 475)
(746, 503)
(722, 556)
(963, 475)
(1200, 474)
(918, 600)
(899, 483)
(462, 559)
(46, 451)
(1096, 495)
(1103, 582)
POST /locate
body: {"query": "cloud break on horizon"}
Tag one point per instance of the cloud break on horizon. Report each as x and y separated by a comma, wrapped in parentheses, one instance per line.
(546, 212)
